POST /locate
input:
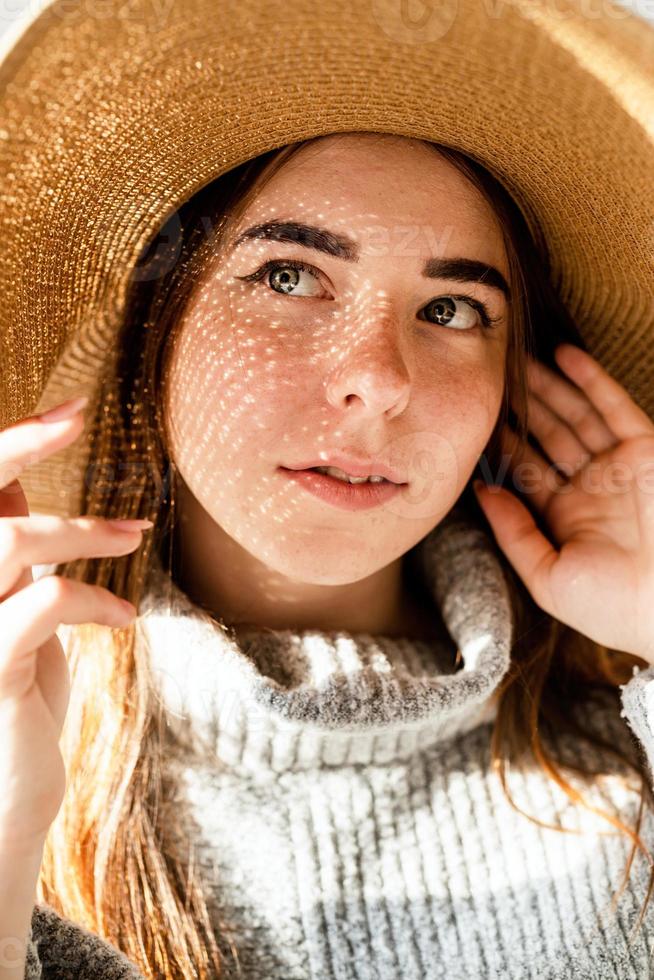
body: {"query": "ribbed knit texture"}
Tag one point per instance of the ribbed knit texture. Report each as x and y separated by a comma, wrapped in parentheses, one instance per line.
(338, 791)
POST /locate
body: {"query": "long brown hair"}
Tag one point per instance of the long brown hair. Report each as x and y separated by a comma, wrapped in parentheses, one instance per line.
(109, 863)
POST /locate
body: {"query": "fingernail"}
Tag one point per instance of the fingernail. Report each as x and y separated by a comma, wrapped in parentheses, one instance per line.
(131, 524)
(64, 411)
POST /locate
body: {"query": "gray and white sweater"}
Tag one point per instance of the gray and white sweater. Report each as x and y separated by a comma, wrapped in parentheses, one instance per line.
(347, 821)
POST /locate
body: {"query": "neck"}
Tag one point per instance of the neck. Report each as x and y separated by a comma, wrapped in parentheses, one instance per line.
(270, 701)
(226, 580)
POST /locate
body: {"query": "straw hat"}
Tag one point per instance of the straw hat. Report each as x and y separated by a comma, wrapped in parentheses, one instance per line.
(113, 113)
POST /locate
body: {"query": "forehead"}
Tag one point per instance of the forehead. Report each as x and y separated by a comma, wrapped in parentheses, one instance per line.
(392, 189)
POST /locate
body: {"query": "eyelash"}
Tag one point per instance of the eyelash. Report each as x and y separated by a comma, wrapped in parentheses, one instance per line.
(487, 321)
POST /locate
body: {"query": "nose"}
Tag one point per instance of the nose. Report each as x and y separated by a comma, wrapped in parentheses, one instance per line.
(372, 372)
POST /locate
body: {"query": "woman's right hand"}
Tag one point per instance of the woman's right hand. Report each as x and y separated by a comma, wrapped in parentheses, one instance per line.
(34, 678)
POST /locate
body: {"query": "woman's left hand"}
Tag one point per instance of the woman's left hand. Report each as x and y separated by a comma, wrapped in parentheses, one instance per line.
(600, 581)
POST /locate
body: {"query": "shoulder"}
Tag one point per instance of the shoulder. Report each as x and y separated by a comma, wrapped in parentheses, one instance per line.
(60, 948)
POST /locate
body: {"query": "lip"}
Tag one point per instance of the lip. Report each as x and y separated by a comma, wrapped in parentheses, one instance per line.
(353, 466)
(347, 496)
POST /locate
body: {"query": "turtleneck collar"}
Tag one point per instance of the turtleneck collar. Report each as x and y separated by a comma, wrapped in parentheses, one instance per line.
(267, 701)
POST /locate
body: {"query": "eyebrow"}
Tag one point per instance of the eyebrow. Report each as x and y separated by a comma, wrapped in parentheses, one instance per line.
(341, 246)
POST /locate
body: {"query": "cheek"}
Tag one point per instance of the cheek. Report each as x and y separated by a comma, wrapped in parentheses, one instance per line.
(231, 396)
(461, 405)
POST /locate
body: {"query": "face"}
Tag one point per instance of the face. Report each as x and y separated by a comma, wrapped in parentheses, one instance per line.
(360, 352)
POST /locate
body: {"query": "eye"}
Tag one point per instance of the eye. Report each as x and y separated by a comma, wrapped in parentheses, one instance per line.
(443, 312)
(284, 277)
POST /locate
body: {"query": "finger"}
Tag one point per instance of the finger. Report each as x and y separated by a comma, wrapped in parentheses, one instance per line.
(531, 474)
(14, 504)
(623, 417)
(43, 539)
(30, 617)
(53, 679)
(572, 405)
(28, 442)
(559, 442)
(527, 549)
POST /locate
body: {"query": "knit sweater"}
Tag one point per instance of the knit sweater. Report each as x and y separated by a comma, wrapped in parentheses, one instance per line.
(346, 820)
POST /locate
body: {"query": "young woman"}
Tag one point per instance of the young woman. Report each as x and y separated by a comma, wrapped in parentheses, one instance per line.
(344, 736)
(342, 729)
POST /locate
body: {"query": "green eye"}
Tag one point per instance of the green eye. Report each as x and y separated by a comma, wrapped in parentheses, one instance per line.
(444, 312)
(284, 282)
(441, 311)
